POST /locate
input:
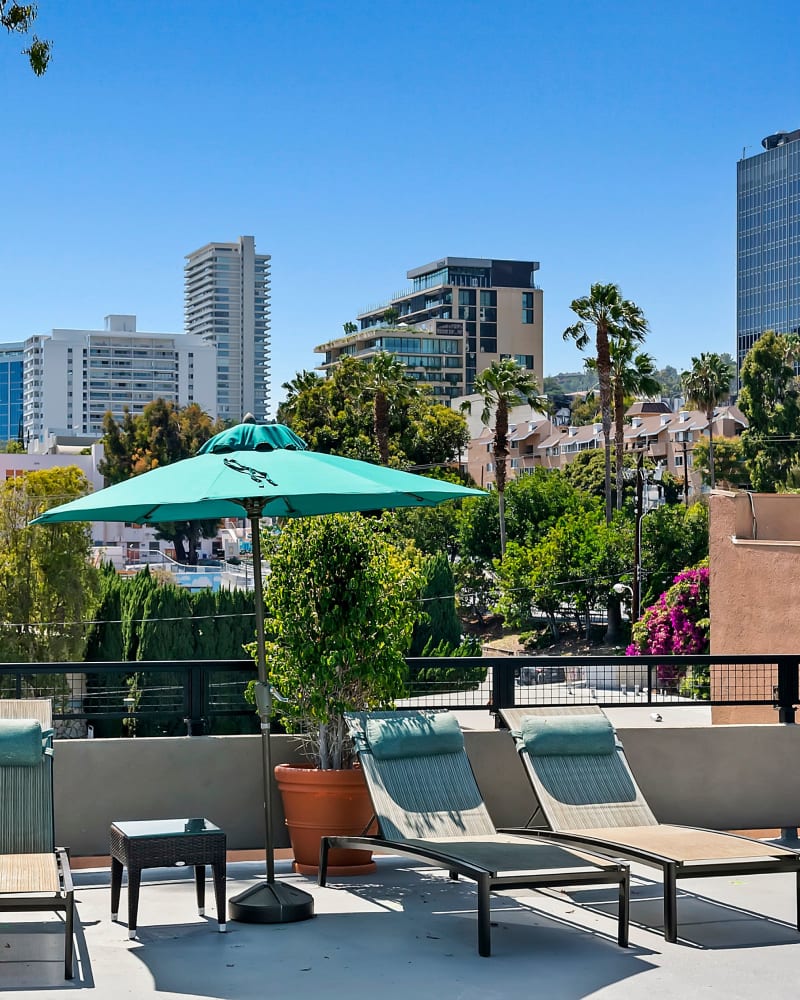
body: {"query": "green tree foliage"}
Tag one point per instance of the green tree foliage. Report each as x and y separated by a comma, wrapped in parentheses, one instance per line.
(104, 639)
(670, 380)
(18, 19)
(47, 586)
(160, 435)
(585, 411)
(431, 529)
(341, 603)
(769, 400)
(336, 416)
(729, 468)
(502, 385)
(441, 623)
(706, 385)
(390, 387)
(534, 503)
(673, 536)
(612, 317)
(574, 565)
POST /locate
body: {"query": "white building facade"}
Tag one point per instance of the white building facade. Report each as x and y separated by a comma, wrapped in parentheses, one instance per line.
(227, 303)
(71, 378)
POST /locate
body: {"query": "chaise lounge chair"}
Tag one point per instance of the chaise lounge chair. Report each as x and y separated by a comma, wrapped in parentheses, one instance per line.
(588, 796)
(34, 874)
(428, 807)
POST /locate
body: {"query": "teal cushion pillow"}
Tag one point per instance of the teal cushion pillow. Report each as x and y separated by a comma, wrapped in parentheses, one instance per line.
(20, 743)
(567, 735)
(417, 735)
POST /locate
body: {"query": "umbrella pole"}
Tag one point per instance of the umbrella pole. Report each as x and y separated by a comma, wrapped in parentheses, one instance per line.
(273, 902)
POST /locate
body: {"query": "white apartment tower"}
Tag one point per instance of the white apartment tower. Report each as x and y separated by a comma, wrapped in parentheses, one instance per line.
(227, 303)
(71, 378)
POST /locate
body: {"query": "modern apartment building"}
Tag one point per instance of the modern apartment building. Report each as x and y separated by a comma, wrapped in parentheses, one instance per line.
(10, 391)
(227, 296)
(768, 241)
(460, 314)
(71, 378)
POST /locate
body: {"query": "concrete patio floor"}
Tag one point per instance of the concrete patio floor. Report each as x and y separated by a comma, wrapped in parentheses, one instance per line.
(407, 931)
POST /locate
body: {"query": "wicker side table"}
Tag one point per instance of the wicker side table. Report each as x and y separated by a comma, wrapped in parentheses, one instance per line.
(140, 844)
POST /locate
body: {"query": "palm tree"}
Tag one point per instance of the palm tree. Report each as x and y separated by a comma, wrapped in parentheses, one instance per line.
(611, 316)
(706, 385)
(301, 383)
(390, 385)
(632, 374)
(501, 385)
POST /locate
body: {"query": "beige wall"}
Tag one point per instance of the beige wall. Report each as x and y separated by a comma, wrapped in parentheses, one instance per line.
(754, 559)
(736, 777)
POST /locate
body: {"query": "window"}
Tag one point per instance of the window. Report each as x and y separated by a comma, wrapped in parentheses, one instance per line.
(527, 307)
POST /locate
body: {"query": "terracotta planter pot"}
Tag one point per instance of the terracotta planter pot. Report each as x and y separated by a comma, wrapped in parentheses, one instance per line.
(325, 803)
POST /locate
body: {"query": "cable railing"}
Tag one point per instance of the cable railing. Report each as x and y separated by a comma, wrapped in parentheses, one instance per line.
(197, 697)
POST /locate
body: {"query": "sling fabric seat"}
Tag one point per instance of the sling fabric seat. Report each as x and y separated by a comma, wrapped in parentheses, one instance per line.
(588, 796)
(428, 807)
(34, 873)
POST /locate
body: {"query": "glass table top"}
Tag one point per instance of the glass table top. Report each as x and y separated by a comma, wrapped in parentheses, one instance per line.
(165, 827)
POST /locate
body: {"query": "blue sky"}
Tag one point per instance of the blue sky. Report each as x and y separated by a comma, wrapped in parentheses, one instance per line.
(357, 140)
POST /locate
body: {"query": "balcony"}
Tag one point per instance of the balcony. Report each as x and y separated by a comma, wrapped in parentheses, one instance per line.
(407, 929)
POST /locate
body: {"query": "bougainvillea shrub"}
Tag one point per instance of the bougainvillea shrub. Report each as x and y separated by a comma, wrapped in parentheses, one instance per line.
(677, 625)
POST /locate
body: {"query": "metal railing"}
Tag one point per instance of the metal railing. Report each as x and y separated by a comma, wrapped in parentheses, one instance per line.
(195, 697)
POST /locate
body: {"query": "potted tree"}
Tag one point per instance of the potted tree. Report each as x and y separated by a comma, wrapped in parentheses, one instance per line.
(341, 602)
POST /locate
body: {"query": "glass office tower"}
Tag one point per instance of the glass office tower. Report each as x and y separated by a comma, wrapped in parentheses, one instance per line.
(768, 241)
(10, 392)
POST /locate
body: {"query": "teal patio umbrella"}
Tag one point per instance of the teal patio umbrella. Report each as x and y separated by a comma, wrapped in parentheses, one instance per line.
(255, 471)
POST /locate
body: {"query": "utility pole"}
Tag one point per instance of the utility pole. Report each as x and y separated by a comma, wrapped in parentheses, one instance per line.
(685, 476)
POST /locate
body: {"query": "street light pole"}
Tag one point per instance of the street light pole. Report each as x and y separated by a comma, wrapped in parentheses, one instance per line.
(636, 596)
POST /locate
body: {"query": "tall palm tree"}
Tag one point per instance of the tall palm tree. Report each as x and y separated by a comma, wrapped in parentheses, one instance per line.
(611, 316)
(389, 384)
(632, 374)
(706, 385)
(502, 385)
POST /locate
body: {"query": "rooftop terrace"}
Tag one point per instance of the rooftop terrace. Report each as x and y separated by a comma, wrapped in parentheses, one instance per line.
(407, 931)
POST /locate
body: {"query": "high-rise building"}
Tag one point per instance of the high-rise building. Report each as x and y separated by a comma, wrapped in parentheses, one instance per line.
(71, 378)
(227, 295)
(768, 241)
(10, 391)
(460, 314)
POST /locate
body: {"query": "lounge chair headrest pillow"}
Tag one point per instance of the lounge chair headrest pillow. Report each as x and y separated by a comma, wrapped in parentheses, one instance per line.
(20, 743)
(414, 735)
(565, 735)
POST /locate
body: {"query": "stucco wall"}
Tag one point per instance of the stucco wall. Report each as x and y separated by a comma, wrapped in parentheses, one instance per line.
(737, 777)
(754, 560)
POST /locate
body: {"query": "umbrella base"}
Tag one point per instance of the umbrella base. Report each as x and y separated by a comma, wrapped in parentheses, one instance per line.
(271, 903)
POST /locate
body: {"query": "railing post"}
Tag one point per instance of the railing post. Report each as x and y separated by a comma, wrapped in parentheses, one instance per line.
(195, 700)
(503, 693)
(786, 697)
(786, 690)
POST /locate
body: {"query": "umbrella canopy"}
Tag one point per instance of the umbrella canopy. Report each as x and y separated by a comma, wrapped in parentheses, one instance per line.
(256, 471)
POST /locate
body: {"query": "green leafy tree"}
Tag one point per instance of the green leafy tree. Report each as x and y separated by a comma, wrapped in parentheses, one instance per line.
(706, 385)
(47, 586)
(670, 380)
(18, 19)
(336, 416)
(769, 400)
(729, 467)
(584, 411)
(160, 435)
(440, 622)
(611, 316)
(341, 603)
(303, 381)
(673, 536)
(503, 385)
